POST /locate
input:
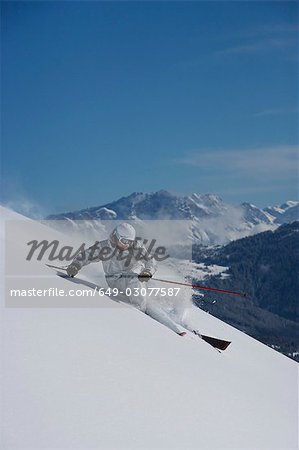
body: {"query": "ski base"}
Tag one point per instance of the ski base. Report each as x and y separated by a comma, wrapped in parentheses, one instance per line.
(220, 344)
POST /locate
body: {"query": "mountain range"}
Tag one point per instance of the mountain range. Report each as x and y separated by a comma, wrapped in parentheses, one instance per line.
(214, 222)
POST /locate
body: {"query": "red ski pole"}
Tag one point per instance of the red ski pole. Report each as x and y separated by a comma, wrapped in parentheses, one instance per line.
(205, 288)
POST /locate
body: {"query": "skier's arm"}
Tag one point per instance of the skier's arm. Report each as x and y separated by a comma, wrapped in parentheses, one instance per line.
(150, 266)
(92, 254)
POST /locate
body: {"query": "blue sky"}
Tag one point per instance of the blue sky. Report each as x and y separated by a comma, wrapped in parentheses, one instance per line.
(101, 99)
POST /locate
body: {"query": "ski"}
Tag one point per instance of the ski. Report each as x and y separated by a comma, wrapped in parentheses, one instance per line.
(220, 344)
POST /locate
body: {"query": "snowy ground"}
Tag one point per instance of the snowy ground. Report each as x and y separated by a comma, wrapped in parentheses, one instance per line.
(110, 377)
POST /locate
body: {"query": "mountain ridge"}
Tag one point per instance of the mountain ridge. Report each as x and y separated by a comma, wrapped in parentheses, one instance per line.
(214, 221)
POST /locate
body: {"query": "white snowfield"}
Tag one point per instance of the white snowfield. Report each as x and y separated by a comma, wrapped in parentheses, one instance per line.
(113, 378)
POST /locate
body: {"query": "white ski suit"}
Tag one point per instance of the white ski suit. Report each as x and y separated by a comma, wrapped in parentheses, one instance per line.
(121, 270)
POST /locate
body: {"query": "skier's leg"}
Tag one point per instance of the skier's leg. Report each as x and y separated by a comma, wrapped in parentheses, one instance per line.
(160, 316)
(139, 301)
(135, 298)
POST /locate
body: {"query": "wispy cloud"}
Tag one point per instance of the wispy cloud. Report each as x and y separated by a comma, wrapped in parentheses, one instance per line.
(276, 112)
(279, 37)
(270, 29)
(259, 46)
(266, 162)
(254, 189)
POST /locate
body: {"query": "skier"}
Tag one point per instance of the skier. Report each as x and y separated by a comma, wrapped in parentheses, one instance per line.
(128, 266)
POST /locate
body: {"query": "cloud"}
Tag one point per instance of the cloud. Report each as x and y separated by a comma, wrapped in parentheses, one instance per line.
(259, 46)
(272, 37)
(268, 162)
(254, 189)
(276, 112)
(270, 29)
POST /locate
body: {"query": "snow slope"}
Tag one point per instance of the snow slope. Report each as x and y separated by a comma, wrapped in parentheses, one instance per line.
(110, 377)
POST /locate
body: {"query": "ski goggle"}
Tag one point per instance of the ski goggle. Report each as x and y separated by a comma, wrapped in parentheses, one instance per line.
(122, 240)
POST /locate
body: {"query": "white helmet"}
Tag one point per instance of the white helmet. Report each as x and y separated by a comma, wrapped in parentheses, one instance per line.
(123, 236)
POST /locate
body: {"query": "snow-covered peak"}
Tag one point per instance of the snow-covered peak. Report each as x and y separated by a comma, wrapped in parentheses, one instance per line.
(254, 215)
(285, 213)
(210, 203)
(105, 213)
(289, 204)
(214, 221)
(211, 199)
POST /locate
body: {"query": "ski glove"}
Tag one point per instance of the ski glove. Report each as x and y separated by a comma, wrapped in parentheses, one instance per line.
(144, 276)
(73, 269)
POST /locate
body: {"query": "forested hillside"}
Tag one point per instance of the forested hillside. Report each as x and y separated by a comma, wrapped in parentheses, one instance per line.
(266, 267)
